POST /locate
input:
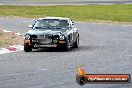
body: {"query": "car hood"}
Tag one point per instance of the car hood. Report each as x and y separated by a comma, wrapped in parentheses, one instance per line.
(45, 32)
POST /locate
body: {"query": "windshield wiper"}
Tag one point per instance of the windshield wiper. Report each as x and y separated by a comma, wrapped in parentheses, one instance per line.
(57, 28)
(40, 27)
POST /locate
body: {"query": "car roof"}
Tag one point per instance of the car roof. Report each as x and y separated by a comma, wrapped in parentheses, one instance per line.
(60, 18)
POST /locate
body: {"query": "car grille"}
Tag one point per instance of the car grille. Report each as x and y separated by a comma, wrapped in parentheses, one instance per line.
(44, 39)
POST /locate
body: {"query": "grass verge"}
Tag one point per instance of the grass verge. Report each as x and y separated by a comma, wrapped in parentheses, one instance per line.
(118, 12)
(8, 39)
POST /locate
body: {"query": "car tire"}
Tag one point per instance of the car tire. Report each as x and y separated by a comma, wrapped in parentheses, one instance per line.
(27, 48)
(76, 44)
(67, 46)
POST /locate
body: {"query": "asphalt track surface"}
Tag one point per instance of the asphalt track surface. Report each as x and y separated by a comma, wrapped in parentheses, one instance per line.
(104, 48)
(79, 2)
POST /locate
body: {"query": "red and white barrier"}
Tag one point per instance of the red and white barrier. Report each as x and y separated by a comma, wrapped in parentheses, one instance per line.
(11, 49)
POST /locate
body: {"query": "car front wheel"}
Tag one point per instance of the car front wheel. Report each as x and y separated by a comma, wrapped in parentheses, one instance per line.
(76, 44)
(67, 46)
(27, 48)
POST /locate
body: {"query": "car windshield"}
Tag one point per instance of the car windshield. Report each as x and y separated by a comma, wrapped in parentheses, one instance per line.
(51, 24)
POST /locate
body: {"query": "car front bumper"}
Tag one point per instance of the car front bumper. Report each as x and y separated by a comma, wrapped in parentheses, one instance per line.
(45, 46)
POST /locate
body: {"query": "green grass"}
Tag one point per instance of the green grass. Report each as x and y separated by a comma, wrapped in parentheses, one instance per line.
(3, 43)
(121, 13)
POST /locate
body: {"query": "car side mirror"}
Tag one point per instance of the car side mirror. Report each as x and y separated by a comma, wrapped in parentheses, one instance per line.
(30, 26)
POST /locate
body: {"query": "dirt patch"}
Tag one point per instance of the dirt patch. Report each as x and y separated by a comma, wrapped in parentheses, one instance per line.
(10, 38)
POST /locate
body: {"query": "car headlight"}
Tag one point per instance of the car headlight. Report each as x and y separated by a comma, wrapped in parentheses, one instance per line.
(27, 37)
(62, 37)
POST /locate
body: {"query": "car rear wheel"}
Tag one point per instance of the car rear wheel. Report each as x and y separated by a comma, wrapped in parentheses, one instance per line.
(27, 48)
